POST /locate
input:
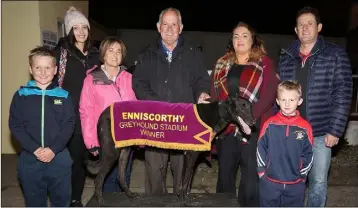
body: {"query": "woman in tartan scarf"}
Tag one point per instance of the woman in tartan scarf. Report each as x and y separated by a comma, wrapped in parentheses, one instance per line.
(244, 71)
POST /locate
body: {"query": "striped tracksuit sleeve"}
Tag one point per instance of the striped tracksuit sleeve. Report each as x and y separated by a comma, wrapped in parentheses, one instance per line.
(261, 151)
(307, 154)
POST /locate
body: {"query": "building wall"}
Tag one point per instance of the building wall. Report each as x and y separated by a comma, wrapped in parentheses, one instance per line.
(53, 11)
(352, 39)
(354, 16)
(20, 33)
(22, 22)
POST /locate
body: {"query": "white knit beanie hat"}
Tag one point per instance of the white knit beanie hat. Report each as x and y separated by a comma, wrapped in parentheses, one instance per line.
(73, 17)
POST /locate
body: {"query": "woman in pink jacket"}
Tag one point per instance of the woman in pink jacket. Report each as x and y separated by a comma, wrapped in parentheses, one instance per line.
(102, 86)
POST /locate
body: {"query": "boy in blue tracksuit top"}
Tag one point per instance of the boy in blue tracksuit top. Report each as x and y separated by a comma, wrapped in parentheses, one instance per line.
(284, 151)
(42, 119)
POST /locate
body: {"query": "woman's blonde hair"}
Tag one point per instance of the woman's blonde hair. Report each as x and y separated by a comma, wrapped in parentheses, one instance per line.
(257, 49)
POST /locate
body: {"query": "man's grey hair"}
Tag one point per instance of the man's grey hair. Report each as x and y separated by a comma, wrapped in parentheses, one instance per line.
(169, 9)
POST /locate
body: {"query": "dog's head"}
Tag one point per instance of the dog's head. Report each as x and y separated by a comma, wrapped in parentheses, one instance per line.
(240, 107)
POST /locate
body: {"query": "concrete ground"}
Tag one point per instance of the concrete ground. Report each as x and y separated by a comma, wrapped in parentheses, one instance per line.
(204, 182)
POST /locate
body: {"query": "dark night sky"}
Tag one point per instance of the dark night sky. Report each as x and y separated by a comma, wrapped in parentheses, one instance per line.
(267, 17)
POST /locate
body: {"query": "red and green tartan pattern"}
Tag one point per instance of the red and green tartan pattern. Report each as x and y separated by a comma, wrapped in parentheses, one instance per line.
(249, 83)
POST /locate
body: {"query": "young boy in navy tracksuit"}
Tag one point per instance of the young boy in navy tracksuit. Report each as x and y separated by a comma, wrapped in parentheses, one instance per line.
(284, 151)
(42, 119)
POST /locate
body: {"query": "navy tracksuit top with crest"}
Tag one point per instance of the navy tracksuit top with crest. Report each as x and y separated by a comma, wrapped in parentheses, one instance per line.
(284, 149)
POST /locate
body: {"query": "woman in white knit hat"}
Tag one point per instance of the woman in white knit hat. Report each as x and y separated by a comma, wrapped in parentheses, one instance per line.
(75, 56)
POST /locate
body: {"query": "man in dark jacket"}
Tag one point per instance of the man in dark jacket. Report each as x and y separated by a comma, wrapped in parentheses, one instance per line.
(170, 70)
(323, 69)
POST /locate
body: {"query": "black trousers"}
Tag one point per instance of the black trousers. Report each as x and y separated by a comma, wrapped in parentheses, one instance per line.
(232, 154)
(156, 163)
(78, 153)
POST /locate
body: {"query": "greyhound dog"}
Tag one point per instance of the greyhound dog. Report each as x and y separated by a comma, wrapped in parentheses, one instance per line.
(216, 114)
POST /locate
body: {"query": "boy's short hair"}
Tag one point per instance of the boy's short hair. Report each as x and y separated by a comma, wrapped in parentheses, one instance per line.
(41, 51)
(290, 85)
(108, 42)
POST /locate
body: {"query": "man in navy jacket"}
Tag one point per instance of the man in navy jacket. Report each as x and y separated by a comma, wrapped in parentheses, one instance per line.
(323, 69)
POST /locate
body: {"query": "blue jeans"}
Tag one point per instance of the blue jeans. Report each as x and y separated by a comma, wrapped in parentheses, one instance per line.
(317, 178)
(111, 183)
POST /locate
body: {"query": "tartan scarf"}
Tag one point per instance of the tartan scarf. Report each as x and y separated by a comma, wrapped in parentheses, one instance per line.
(250, 79)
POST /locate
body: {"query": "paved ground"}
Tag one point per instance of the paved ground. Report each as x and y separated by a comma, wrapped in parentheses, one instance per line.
(341, 194)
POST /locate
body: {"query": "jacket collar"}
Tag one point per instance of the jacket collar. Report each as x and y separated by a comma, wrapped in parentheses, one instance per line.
(32, 84)
(289, 119)
(293, 49)
(100, 77)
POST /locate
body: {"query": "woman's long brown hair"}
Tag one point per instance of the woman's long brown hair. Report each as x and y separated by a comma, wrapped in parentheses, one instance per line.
(257, 49)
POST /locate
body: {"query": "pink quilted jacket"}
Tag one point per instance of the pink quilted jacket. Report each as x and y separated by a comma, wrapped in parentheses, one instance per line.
(97, 94)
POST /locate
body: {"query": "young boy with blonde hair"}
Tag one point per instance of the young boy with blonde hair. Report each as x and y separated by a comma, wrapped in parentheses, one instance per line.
(284, 151)
(42, 120)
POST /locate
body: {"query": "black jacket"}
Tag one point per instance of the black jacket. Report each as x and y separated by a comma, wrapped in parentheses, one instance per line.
(76, 67)
(181, 81)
